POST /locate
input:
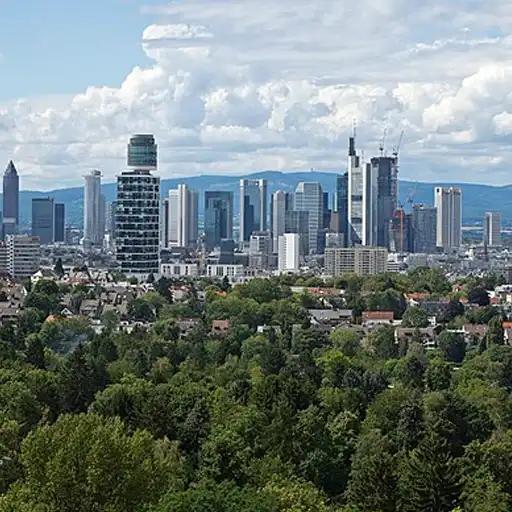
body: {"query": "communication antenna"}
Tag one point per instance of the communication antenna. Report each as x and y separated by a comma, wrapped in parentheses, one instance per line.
(383, 142)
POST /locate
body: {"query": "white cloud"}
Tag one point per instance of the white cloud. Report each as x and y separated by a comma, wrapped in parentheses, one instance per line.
(240, 85)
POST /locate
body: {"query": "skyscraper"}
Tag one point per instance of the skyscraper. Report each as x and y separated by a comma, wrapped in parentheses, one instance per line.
(289, 252)
(448, 202)
(380, 200)
(11, 197)
(43, 219)
(183, 217)
(59, 220)
(356, 185)
(492, 229)
(94, 211)
(424, 227)
(401, 232)
(280, 203)
(342, 204)
(218, 217)
(137, 212)
(309, 198)
(253, 207)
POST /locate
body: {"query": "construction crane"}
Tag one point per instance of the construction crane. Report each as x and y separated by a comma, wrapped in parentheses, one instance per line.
(396, 149)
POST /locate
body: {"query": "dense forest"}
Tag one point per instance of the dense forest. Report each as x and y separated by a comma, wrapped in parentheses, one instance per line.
(290, 419)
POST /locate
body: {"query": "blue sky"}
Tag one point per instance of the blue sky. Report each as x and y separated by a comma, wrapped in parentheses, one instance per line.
(63, 46)
(236, 86)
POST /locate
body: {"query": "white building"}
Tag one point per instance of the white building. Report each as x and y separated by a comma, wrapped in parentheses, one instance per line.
(362, 261)
(137, 214)
(182, 223)
(23, 255)
(448, 202)
(94, 211)
(280, 205)
(492, 229)
(232, 272)
(289, 253)
(356, 193)
(170, 270)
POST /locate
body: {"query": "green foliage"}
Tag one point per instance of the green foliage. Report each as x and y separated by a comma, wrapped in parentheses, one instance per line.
(415, 317)
(86, 463)
(452, 346)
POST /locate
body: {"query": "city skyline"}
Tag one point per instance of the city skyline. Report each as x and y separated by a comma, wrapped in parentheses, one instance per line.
(219, 104)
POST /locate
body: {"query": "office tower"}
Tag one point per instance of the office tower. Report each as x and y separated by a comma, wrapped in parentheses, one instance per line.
(356, 185)
(289, 252)
(380, 200)
(218, 217)
(59, 222)
(448, 202)
(342, 205)
(280, 204)
(401, 232)
(137, 212)
(298, 222)
(309, 198)
(333, 240)
(260, 250)
(326, 223)
(253, 207)
(11, 199)
(362, 261)
(23, 255)
(43, 223)
(492, 229)
(94, 211)
(424, 227)
(183, 217)
(164, 222)
(110, 219)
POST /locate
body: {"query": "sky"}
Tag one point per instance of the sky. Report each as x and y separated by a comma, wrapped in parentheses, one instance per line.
(232, 87)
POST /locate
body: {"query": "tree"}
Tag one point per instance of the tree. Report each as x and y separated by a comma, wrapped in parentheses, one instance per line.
(478, 295)
(382, 342)
(87, 463)
(453, 309)
(388, 300)
(495, 333)
(372, 477)
(141, 310)
(428, 478)
(415, 317)
(452, 346)
(59, 268)
(481, 493)
(347, 340)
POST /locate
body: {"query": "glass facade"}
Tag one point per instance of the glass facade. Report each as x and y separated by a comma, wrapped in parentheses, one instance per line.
(43, 211)
(218, 217)
(142, 152)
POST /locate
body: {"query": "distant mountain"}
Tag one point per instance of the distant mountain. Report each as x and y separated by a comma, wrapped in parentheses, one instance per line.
(477, 199)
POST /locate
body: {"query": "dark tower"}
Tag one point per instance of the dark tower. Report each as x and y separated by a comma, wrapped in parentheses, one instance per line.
(11, 195)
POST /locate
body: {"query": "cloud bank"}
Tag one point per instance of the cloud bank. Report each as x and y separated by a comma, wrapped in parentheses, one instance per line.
(244, 85)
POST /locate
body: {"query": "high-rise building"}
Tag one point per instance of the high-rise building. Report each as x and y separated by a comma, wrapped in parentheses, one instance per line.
(380, 200)
(164, 222)
(260, 250)
(298, 222)
(110, 219)
(492, 229)
(424, 227)
(280, 204)
(43, 219)
(11, 199)
(23, 255)
(59, 220)
(142, 153)
(218, 217)
(342, 205)
(309, 198)
(183, 217)
(448, 202)
(362, 261)
(253, 207)
(137, 212)
(94, 211)
(289, 252)
(401, 232)
(356, 186)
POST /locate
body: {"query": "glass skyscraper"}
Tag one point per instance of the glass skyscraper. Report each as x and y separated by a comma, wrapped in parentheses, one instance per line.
(137, 212)
(218, 217)
(43, 219)
(11, 194)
